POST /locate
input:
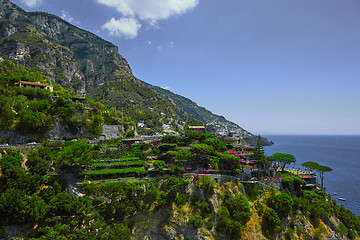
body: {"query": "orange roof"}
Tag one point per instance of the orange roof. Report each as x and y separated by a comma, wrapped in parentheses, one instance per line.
(33, 83)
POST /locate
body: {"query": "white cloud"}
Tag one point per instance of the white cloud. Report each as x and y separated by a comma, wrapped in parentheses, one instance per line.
(127, 27)
(166, 88)
(151, 10)
(172, 44)
(159, 48)
(66, 16)
(32, 3)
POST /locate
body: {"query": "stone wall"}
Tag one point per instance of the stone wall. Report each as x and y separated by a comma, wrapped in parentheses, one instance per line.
(112, 131)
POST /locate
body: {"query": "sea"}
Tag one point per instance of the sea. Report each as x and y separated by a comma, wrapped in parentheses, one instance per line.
(340, 152)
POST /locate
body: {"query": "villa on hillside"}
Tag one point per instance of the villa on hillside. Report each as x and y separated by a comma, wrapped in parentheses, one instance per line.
(199, 129)
(36, 85)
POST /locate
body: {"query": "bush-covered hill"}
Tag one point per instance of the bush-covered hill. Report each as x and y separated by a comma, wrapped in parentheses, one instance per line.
(113, 200)
(82, 63)
(30, 114)
(85, 64)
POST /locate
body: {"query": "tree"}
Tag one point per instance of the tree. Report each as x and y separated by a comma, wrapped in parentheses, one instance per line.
(183, 155)
(282, 203)
(259, 149)
(233, 215)
(119, 232)
(159, 165)
(95, 127)
(39, 160)
(282, 159)
(33, 122)
(318, 168)
(206, 183)
(228, 162)
(78, 152)
(11, 170)
(201, 154)
(216, 143)
(309, 165)
(271, 222)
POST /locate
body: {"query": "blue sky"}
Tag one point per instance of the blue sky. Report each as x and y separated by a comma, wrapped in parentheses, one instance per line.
(279, 66)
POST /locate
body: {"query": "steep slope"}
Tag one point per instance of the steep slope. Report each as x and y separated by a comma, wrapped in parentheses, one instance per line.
(85, 64)
(213, 122)
(81, 62)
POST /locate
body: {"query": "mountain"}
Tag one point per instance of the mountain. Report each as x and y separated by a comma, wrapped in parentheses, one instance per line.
(213, 122)
(85, 64)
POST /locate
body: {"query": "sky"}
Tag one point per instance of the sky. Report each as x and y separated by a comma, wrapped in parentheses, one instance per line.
(271, 66)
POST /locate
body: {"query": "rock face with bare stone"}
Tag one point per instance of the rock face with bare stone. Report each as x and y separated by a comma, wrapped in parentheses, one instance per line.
(87, 65)
(112, 131)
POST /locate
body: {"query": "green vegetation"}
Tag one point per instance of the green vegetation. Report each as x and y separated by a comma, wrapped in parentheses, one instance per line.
(116, 192)
(107, 172)
(234, 214)
(282, 159)
(271, 223)
(31, 112)
(78, 152)
(318, 168)
(293, 183)
(118, 164)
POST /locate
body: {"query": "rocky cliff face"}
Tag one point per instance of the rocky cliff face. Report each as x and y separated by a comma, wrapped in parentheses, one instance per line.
(87, 65)
(173, 222)
(74, 58)
(78, 60)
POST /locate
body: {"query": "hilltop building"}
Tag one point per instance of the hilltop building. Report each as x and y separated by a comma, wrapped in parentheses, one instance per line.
(36, 85)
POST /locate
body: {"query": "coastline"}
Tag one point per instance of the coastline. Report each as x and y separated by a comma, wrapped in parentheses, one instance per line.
(340, 152)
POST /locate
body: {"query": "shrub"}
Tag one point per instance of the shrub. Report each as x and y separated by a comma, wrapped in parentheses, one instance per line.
(317, 235)
(282, 204)
(95, 127)
(289, 234)
(293, 183)
(234, 214)
(238, 207)
(181, 199)
(271, 222)
(170, 139)
(167, 147)
(206, 183)
(196, 221)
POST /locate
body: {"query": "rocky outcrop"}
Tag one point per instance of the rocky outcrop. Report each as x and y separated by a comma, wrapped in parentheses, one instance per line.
(112, 131)
(85, 64)
(13, 137)
(74, 58)
(59, 131)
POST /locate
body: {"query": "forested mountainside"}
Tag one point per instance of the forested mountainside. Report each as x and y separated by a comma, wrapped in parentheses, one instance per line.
(191, 187)
(32, 109)
(81, 62)
(213, 122)
(85, 64)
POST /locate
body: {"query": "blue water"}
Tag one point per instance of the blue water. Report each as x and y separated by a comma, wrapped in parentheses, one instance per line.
(341, 153)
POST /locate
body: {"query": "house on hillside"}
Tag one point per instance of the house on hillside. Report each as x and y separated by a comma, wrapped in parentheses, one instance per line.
(36, 85)
(199, 129)
(74, 99)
